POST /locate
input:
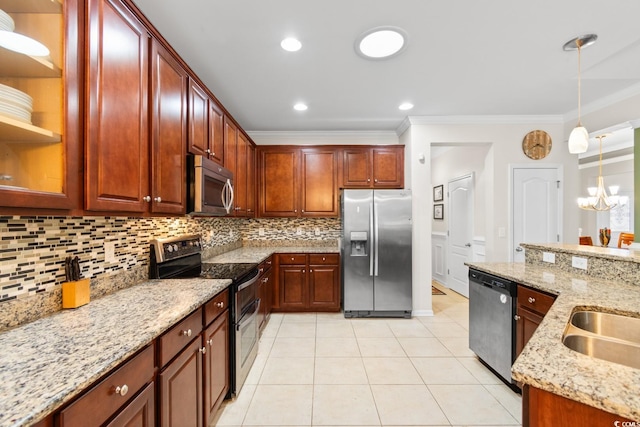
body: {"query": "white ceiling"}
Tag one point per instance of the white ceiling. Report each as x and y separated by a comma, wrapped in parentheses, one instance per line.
(464, 57)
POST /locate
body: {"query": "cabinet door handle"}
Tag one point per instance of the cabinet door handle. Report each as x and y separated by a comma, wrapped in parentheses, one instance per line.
(310, 271)
(220, 304)
(203, 350)
(375, 180)
(516, 317)
(295, 211)
(368, 180)
(122, 390)
(147, 199)
(157, 199)
(210, 342)
(186, 333)
(303, 271)
(531, 300)
(207, 151)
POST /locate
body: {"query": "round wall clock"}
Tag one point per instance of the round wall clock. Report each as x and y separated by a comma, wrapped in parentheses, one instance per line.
(536, 144)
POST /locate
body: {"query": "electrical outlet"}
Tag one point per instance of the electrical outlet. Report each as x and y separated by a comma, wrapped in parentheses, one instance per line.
(579, 262)
(549, 257)
(260, 231)
(109, 252)
(317, 231)
(299, 231)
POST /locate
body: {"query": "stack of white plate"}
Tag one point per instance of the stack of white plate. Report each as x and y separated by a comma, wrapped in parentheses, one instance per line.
(15, 103)
(6, 23)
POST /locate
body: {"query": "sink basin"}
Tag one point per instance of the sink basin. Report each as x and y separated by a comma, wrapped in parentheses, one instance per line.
(608, 325)
(627, 354)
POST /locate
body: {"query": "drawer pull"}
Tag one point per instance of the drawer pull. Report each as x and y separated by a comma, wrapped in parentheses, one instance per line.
(122, 390)
(531, 300)
(265, 280)
(269, 262)
(186, 333)
(292, 258)
(220, 304)
(324, 259)
(203, 350)
(261, 270)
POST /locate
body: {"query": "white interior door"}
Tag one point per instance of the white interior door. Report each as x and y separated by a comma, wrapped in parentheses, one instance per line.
(460, 196)
(536, 208)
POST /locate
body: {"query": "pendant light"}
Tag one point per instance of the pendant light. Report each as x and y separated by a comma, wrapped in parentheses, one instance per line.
(598, 199)
(579, 137)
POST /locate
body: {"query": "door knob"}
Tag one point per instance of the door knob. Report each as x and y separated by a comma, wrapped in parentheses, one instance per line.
(468, 245)
(518, 249)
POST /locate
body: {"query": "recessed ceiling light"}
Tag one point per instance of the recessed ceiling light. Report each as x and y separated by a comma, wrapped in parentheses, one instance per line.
(291, 44)
(22, 44)
(300, 106)
(405, 106)
(381, 42)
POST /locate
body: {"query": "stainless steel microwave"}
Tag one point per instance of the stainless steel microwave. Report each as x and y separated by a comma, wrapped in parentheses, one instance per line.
(210, 187)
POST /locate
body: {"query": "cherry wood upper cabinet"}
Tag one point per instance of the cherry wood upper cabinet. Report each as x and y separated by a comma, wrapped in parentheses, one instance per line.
(117, 143)
(168, 132)
(373, 167)
(240, 175)
(251, 180)
(206, 124)
(278, 186)
(41, 158)
(319, 181)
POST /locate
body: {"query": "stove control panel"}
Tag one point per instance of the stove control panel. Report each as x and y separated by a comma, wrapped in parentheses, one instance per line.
(176, 247)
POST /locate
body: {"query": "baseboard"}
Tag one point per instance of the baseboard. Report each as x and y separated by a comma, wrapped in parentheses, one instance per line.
(422, 313)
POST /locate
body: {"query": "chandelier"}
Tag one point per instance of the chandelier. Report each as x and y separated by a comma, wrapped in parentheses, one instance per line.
(598, 199)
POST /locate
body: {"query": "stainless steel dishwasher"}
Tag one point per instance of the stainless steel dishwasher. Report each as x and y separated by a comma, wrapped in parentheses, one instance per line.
(492, 326)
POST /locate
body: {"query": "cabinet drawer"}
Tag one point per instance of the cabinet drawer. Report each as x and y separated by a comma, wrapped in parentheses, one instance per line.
(534, 300)
(215, 306)
(265, 265)
(104, 400)
(178, 337)
(291, 259)
(321, 259)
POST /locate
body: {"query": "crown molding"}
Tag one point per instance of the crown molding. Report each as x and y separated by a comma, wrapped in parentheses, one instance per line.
(604, 102)
(482, 120)
(324, 137)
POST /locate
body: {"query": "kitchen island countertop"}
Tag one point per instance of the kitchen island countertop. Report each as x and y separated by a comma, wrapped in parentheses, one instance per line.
(546, 363)
(46, 363)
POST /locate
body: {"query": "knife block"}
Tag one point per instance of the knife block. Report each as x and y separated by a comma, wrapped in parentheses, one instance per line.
(75, 294)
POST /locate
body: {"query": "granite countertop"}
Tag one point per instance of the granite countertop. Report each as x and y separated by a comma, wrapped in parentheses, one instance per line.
(546, 363)
(45, 363)
(259, 254)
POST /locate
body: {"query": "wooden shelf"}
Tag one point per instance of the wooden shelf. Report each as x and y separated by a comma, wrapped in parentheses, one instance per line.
(14, 64)
(31, 6)
(12, 130)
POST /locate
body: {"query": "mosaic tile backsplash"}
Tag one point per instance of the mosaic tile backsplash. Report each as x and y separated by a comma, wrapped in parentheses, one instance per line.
(33, 249)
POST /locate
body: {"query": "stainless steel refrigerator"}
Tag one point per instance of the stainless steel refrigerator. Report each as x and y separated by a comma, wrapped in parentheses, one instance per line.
(376, 253)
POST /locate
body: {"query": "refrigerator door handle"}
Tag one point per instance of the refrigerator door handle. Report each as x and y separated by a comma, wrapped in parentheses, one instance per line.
(376, 238)
(371, 239)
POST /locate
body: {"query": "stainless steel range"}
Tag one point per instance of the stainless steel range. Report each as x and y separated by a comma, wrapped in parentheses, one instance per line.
(180, 257)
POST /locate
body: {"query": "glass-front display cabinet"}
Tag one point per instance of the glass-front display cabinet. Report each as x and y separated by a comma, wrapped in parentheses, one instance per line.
(40, 100)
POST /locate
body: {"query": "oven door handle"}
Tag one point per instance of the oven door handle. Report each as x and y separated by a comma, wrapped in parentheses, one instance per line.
(249, 282)
(249, 314)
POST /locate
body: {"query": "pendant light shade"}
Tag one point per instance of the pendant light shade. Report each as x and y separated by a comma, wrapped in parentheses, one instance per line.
(579, 138)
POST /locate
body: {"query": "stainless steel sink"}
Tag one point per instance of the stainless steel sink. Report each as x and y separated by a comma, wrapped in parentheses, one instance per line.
(608, 325)
(605, 336)
(613, 351)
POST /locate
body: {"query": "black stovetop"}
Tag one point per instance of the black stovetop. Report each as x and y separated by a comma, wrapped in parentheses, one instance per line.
(233, 271)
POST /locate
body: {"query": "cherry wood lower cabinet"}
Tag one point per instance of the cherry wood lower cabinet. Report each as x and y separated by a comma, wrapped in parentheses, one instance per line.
(216, 355)
(140, 412)
(112, 395)
(307, 282)
(531, 307)
(180, 389)
(265, 291)
(544, 409)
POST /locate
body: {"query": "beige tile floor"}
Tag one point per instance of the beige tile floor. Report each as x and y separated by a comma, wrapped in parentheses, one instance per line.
(324, 370)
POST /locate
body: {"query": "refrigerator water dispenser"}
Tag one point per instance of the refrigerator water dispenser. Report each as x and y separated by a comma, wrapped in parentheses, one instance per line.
(358, 243)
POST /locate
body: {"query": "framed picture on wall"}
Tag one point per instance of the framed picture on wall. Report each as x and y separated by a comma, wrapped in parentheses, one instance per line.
(438, 211)
(438, 195)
